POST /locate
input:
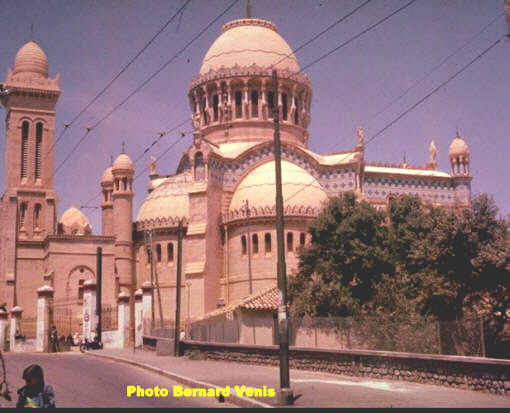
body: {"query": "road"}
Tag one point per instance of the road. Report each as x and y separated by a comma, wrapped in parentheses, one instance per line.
(84, 381)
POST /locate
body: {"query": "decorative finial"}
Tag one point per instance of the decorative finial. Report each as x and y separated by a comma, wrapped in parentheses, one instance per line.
(111, 160)
(152, 166)
(248, 9)
(123, 146)
(405, 161)
(359, 131)
(32, 32)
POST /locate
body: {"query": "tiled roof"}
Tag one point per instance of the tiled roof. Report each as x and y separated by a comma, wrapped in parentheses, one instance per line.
(266, 300)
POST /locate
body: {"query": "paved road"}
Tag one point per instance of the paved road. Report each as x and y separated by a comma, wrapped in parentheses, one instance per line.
(84, 381)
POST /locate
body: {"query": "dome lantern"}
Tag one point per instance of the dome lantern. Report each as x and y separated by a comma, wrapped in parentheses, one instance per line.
(459, 156)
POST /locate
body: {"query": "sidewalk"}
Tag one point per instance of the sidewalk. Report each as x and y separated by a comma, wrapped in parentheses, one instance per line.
(315, 389)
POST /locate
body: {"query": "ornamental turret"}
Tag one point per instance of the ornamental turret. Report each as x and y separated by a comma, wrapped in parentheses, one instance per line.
(459, 156)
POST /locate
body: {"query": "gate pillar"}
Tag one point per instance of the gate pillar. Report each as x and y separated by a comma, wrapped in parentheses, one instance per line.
(89, 309)
(15, 319)
(44, 296)
(147, 306)
(123, 317)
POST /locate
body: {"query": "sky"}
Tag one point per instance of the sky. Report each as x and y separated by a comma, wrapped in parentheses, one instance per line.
(89, 41)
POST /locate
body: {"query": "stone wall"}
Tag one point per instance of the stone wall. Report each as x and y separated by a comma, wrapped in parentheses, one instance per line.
(473, 373)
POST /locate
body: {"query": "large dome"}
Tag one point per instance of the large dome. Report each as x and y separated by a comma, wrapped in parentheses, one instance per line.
(166, 204)
(31, 58)
(299, 188)
(246, 42)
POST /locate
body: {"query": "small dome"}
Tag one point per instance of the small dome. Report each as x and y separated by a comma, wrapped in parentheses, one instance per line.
(74, 222)
(31, 58)
(458, 147)
(249, 41)
(123, 162)
(298, 186)
(107, 176)
(168, 203)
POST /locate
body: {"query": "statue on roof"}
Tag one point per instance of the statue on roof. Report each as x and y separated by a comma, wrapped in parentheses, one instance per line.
(433, 152)
(152, 166)
(360, 136)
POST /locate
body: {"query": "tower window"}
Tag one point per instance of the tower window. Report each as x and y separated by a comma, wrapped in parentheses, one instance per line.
(267, 242)
(80, 290)
(254, 104)
(243, 245)
(37, 215)
(204, 111)
(255, 243)
(199, 167)
(284, 106)
(302, 239)
(38, 146)
(239, 103)
(22, 214)
(270, 104)
(290, 241)
(148, 255)
(124, 184)
(296, 113)
(216, 102)
(24, 148)
(158, 252)
(170, 251)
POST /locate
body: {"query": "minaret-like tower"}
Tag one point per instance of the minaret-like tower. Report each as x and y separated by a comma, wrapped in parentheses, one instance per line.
(122, 196)
(107, 202)
(29, 203)
(459, 159)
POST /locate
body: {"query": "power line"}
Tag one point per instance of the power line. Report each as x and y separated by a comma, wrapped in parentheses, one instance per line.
(381, 131)
(441, 63)
(357, 36)
(116, 107)
(340, 20)
(98, 95)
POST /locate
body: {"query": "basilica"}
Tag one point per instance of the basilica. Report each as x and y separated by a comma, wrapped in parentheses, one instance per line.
(223, 190)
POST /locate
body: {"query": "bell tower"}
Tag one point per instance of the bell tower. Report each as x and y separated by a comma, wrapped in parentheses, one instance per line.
(28, 205)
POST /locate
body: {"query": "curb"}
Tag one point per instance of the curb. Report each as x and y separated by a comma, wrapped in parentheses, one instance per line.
(188, 381)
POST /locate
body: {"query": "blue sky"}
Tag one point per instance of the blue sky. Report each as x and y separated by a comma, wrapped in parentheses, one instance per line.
(87, 42)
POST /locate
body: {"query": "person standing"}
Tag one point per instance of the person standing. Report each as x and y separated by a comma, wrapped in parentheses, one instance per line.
(54, 339)
(35, 393)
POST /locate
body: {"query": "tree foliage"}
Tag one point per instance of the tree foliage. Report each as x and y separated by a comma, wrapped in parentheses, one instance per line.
(413, 258)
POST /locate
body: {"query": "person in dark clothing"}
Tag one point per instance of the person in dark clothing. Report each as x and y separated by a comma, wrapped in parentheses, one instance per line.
(54, 339)
(35, 393)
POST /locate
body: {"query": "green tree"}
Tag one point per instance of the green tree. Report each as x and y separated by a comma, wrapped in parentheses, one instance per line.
(348, 255)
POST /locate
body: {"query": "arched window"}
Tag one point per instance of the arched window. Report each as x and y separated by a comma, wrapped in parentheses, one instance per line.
(204, 112)
(199, 167)
(148, 250)
(37, 215)
(290, 241)
(254, 104)
(296, 113)
(284, 106)
(158, 252)
(243, 245)
(255, 243)
(239, 104)
(124, 184)
(105, 194)
(117, 184)
(267, 242)
(22, 214)
(170, 252)
(216, 102)
(302, 239)
(38, 147)
(24, 148)
(270, 104)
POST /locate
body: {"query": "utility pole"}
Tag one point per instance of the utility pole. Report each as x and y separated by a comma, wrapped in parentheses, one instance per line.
(285, 394)
(249, 246)
(99, 301)
(178, 289)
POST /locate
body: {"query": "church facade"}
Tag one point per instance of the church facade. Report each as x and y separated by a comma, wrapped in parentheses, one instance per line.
(223, 190)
